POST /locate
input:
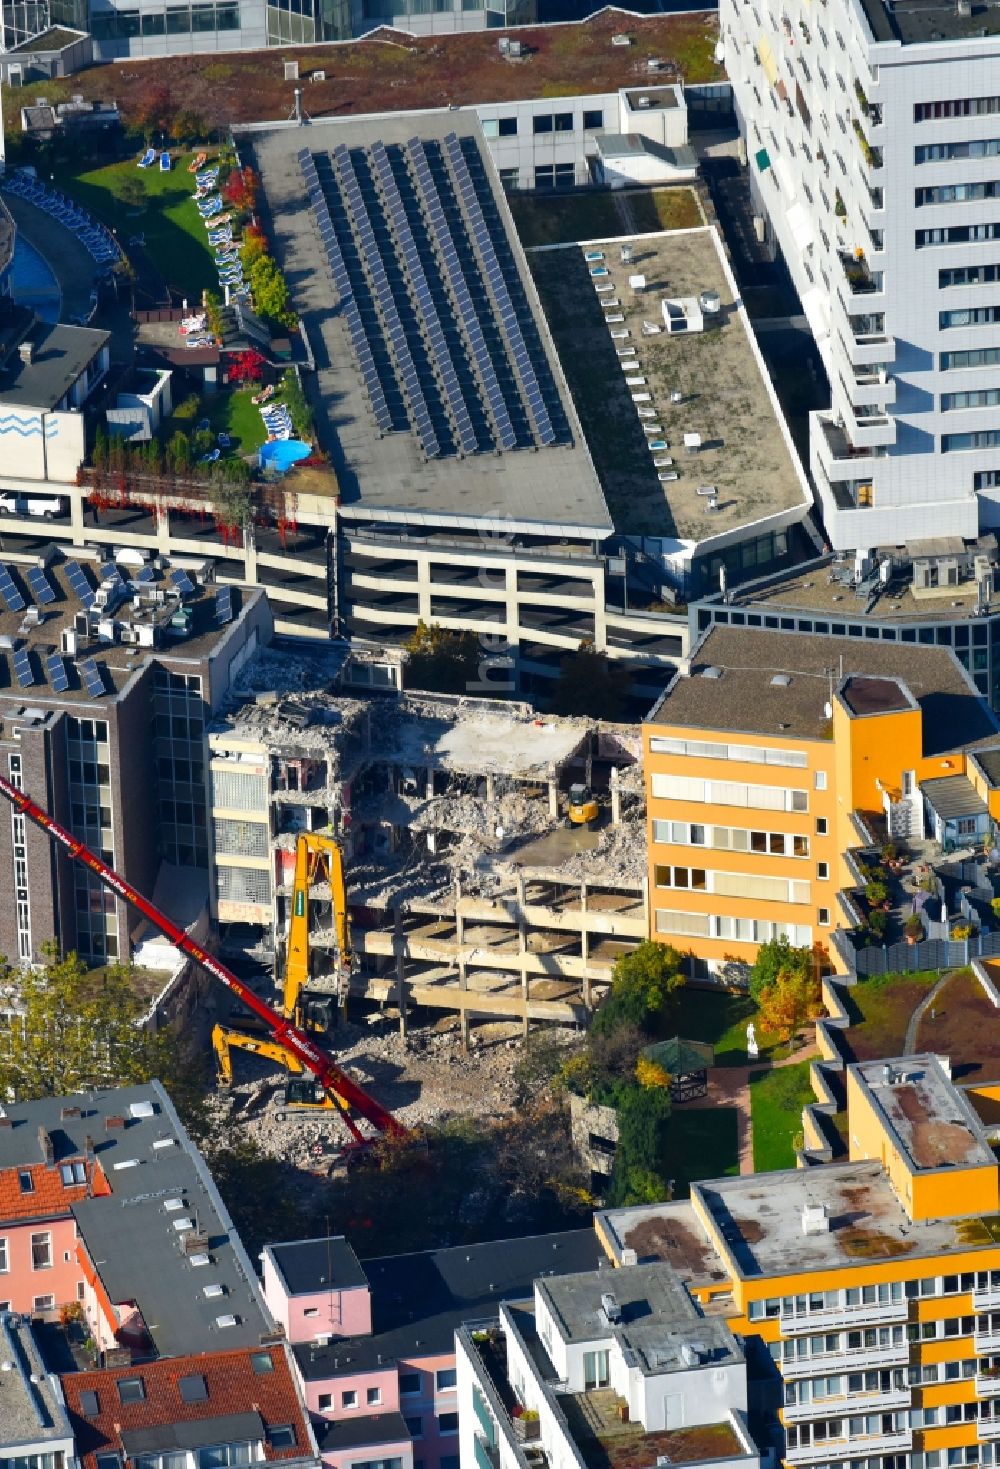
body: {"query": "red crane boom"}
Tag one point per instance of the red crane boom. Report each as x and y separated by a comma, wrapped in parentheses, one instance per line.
(352, 1098)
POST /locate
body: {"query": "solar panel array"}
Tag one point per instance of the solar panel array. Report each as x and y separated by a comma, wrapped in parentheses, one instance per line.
(183, 583)
(224, 605)
(93, 678)
(494, 274)
(41, 587)
(8, 591)
(110, 573)
(79, 584)
(439, 325)
(348, 304)
(428, 190)
(370, 251)
(144, 576)
(23, 671)
(56, 672)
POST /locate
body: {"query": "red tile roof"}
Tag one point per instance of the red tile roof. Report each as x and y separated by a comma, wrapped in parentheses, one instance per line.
(49, 1198)
(233, 1387)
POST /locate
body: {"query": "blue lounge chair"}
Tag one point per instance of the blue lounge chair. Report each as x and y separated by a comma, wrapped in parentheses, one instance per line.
(148, 158)
(210, 457)
(164, 162)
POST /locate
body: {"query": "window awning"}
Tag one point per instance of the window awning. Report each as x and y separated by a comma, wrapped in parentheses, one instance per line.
(762, 159)
(766, 57)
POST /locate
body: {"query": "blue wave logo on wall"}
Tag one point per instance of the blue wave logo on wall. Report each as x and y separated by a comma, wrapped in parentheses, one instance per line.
(28, 428)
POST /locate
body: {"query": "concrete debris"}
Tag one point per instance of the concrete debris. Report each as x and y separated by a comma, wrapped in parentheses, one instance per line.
(426, 1081)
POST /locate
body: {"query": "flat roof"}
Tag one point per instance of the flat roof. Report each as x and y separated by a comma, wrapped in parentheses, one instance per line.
(36, 629)
(953, 796)
(308, 1265)
(56, 38)
(988, 761)
(914, 22)
(651, 99)
(759, 1218)
(419, 1300)
(134, 1236)
(731, 686)
(658, 1318)
(31, 1407)
(931, 1118)
(386, 476)
(724, 398)
(820, 587)
(60, 354)
(872, 695)
(364, 1432)
(671, 1232)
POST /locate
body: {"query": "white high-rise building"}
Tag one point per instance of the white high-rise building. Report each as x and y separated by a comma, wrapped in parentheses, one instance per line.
(872, 130)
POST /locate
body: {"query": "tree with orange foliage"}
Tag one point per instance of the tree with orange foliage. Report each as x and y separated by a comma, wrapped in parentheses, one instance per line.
(789, 1002)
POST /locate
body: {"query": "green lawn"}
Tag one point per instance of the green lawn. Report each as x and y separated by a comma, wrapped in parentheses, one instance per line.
(234, 414)
(559, 219)
(703, 1143)
(880, 1008)
(721, 1019)
(776, 1101)
(175, 237)
(666, 209)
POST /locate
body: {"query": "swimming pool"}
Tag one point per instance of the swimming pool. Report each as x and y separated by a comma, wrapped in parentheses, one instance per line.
(281, 454)
(32, 282)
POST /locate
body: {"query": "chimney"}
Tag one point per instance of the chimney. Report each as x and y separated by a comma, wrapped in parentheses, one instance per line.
(47, 1147)
(88, 1146)
(27, 352)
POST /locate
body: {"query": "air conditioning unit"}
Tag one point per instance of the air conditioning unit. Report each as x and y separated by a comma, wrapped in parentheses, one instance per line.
(129, 635)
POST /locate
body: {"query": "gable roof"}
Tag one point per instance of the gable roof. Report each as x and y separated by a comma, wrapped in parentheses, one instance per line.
(238, 1400)
(48, 1197)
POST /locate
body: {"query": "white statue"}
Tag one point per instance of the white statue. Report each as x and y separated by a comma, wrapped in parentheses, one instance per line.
(752, 1051)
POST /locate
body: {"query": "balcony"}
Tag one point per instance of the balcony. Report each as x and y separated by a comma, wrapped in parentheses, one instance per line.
(987, 1386)
(839, 456)
(883, 1402)
(898, 1442)
(988, 1340)
(882, 1313)
(858, 1360)
(987, 1299)
(869, 152)
(873, 430)
(871, 390)
(861, 280)
(989, 1429)
(867, 342)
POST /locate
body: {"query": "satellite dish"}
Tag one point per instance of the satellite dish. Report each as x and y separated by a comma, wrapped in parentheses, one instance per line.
(828, 710)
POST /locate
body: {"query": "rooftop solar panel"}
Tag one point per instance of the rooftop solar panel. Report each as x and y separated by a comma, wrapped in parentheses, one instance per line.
(224, 605)
(79, 583)
(55, 669)
(182, 583)
(93, 678)
(41, 587)
(23, 671)
(110, 572)
(9, 592)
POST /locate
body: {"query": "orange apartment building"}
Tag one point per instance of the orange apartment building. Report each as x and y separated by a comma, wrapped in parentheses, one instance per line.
(762, 760)
(866, 1292)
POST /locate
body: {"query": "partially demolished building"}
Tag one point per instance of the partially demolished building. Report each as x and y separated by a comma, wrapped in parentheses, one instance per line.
(467, 890)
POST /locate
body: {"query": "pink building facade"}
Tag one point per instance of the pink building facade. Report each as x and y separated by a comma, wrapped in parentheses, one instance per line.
(375, 1343)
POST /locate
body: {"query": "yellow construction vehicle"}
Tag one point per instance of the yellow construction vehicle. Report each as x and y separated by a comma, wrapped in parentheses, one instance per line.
(313, 1007)
(308, 1002)
(582, 808)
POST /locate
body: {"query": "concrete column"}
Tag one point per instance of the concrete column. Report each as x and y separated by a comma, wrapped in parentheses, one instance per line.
(429, 783)
(424, 588)
(553, 800)
(585, 948)
(491, 787)
(459, 917)
(463, 984)
(399, 947)
(616, 798)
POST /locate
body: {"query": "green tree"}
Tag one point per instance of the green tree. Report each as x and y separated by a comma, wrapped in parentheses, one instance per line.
(589, 684)
(66, 1029)
(789, 1002)
(443, 662)
(642, 983)
(178, 453)
(131, 191)
(643, 1133)
(188, 127)
(774, 957)
(270, 292)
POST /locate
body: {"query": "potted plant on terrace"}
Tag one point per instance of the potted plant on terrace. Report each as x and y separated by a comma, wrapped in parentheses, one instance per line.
(913, 929)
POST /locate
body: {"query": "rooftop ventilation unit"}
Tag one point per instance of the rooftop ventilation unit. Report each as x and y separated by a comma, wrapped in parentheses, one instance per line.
(611, 1308)
(815, 1219)
(781, 680)
(224, 1321)
(711, 672)
(690, 1354)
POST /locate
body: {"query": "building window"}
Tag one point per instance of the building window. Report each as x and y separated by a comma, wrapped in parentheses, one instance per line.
(224, 1456)
(962, 443)
(41, 1251)
(415, 1427)
(349, 1399)
(373, 1396)
(108, 1461)
(956, 107)
(563, 122)
(975, 357)
(542, 123)
(193, 1388)
(824, 917)
(507, 127)
(972, 398)
(593, 119)
(822, 870)
(445, 1379)
(282, 1436)
(820, 780)
(490, 127)
(4, 1256)
(73, 1173)
(43, 1303)
(409, 1383)
(324, 1402)
(545, 177)
(448, 1422)
(309, 1311)
(131, 1390)
(261, 1362)
(821, 826)
(510, 179)
(963, 316)
(25, 1181)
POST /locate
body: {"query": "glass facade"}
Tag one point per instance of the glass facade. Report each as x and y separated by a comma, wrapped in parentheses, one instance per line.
(179, 744)
(88, 766)
(172, 20)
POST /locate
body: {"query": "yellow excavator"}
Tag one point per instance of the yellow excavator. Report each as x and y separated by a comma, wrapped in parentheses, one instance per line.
(308, 1001)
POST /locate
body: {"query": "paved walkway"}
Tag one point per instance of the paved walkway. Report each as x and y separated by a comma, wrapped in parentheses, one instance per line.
(729, 1086)
(75, 270)
(910, 1042)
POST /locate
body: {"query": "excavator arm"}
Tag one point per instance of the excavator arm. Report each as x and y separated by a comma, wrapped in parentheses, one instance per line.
(351, 1100)
(316, 856)
(225, 1040)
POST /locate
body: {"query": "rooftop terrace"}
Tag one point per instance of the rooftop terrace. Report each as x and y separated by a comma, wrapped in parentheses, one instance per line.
(31, 1407)
(407, 271)
(819, 588)
(732, 686)
(931, 1119)
(605, 1442)
(723, 434)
